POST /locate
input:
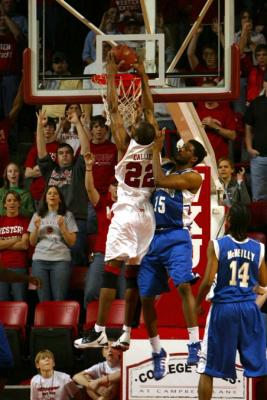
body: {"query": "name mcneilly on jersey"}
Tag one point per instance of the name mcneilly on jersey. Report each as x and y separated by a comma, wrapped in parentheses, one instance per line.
(240, 253)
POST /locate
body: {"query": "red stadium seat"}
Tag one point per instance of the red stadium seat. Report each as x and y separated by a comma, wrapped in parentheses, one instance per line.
(58, 314)
(116, 315)
(55, 328)
(13, 315)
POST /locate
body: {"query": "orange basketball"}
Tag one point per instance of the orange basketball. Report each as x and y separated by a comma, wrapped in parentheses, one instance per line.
(122, 52)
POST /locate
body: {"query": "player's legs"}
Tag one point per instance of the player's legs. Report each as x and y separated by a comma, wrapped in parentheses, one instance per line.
(190, 315)
(178, 258)
(131, 299)
(205, 386)
(153, 280)
(97, 337)
(188, 304)
(150, 316)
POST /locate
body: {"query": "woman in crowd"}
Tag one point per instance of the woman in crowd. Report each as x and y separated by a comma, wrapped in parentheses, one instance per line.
(14, 243)
(234, 188)
(13, 180)
(52, 232)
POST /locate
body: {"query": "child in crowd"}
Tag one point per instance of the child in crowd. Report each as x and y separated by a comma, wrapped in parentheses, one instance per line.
(102, 380)
(51, 384)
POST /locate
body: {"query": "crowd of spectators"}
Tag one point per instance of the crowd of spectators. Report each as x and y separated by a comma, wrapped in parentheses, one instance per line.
(37, 223)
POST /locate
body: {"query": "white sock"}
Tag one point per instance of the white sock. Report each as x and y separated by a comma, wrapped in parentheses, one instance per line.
(193, 334)
(155, 344)
(127, 329)
(99, 328)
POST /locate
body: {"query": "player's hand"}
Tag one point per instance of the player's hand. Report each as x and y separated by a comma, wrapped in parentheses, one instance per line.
(159, 140)
(259, 290)
(89, 159)
(139, 66)
(111, 66)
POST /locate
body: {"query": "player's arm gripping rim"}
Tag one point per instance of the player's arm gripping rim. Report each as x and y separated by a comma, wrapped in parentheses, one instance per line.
(117, 127)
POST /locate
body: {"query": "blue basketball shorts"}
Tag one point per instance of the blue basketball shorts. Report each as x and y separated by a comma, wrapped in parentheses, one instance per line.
(233, 327)
(169, 255)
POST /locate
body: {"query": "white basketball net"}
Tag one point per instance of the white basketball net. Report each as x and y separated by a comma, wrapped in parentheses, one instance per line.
(128, 96)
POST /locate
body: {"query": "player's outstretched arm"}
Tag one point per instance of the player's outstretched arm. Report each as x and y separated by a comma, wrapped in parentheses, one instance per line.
(210, 272)
(147, 100)
(191, 180)
(117, 127)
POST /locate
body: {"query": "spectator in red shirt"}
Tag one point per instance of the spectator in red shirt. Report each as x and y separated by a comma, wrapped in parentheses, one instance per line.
(220, 124)
(102, 204)
(256, 75)
(14, 243)
(105, 153)
(32, 169)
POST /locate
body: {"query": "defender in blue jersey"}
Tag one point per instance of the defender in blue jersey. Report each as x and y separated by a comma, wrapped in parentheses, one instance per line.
(170, 252)
(235, 267)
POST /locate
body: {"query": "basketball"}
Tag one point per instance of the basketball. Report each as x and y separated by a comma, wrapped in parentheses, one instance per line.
(124, 53)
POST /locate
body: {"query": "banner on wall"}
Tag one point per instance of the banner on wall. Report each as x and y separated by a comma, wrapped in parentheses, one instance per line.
(181, 382)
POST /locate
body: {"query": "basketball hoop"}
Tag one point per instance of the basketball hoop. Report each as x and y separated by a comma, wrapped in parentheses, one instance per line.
(129, 89)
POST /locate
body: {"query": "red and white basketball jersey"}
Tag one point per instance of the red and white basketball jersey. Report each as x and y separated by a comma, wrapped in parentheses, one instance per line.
(134, 174)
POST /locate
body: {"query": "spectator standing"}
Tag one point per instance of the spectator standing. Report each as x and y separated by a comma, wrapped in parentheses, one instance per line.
(68, 175)
(6, 124)
(13, 29)
(220, 124)
(32, 170)
(234, 188)
(14, 243)
(102, 380)
(256, 75)
(256, 143)
(13, 179)
(209, 58)
(104, 151)
(52, 232)
(248, 40)
(108, 25)
(52, 384)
